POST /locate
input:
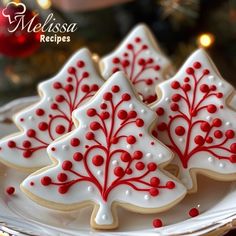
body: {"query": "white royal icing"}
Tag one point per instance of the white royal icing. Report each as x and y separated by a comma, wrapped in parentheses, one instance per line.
(211, 143)
(126, 182)
(145, 70)
(51, 117)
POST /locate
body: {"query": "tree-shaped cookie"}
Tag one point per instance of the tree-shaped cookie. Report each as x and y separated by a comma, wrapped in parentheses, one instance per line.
(51, 117)
(110, 159)
(141, 59)
(196, 122)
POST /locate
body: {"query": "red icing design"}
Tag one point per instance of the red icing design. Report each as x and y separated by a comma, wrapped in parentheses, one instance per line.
(190, 98)
(106, 125)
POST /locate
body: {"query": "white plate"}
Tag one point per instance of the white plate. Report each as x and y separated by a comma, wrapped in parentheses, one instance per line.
(216, 202)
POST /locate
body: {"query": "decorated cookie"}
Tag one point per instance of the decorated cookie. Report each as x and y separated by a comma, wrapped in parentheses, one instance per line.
(110, 159)
(51, 117)
(196, 122)
(141, 59)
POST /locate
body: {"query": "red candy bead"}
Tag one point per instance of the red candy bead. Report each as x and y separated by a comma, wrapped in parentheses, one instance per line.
(118, 171)
(78, 156)
(115, 89)
(107, 96)
(175, 84)
(62, 177)
(180, 130)
(139, 122)
(40, 112)
(137, 155)
(91, 112)
(74, 142)
(11, 144)
(46, 180)
(211, 108)
(57, 85)
(170, 185)
(98, 160)
(157, 223)
(67, 165)
(31, 133)
(126, 97)
(90, 136)
(122, 114)
(80, 64)
(60, 129)
(131, 139)
(43, 126)
(94, 126)
(193, 212)
(153, 192)
(160, 111)
(139, 165)
(125, 157)
(152, 166)
(10, 190)
(154, 181)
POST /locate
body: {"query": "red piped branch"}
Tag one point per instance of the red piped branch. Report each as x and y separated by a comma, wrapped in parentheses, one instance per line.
(74, 92)
(134, 65)
(109, 122)
(212, 130)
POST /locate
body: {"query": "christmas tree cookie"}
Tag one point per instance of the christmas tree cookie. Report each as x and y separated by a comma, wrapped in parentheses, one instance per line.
(108, 160)
(196, 122)
(141, 59)
(51, 117)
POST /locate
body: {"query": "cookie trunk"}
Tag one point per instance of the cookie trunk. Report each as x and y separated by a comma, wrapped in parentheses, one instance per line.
(102, 217)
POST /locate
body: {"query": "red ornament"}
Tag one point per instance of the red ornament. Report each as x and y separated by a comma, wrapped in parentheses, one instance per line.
(19, 43)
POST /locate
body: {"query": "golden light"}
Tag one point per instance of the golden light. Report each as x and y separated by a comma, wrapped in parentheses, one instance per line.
(45, 4)
(206, 40)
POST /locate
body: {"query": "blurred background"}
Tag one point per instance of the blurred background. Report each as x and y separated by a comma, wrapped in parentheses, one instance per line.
(180, 27)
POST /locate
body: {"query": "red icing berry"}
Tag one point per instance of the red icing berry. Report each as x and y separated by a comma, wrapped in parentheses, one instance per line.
(205, 126)
(157, 223)
(62, 177)
(27, 154)
(132, 114)
(176, 97)
(90, 136)
(211, 108)
(57, 85)
(126, 97)
(95, 126)
(103, 106)
(190, 70)
(85, 88)
(122, 114)
(217, 122)
(141, 62)
(80, 64)
(197, 65)
(131, 139)
(107, 96)
(10, 190)
(60, 98)
(154, 181)
(71, 70)
(170, 185)
(69, 88)
(153, 192)
(180, 130)
(39, 112)
(94, 87)
(43, 126)
(218, 134)
(149, 81)
(139, 122)
(193, 212)
(75, 142)
(46, 180)
(206, 72)
(119, 171)
(130, 46)
(233, 158)
(115, 89)
(105, 115)
(63, 189)
(54, 106)
(137, 40)
(78, 156)
(125, 63)
(60, 129)
(160, 111)
(31, 133)
(85, 74)
(125, 157)
(174, 107)
(175, 84)
(139, 165)
(157, 67)
(67, 165)
(204, 88)
(11, 144)
(91, 112)
(199, 140)
(137, 155)
(233, 147)
(152, 166)
(229, 134)
(26, 144)
(116, 60)
(186, 87)
(98, 160)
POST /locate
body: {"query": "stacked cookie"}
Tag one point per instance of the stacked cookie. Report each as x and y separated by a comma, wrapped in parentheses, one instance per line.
(105, 140)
